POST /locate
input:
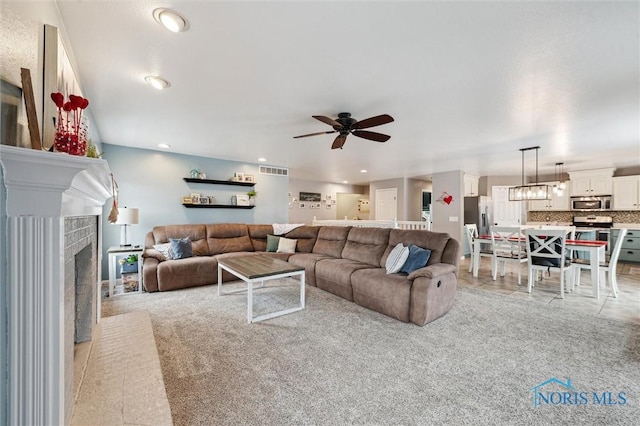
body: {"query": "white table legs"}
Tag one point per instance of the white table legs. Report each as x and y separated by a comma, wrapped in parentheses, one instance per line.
(251, 286)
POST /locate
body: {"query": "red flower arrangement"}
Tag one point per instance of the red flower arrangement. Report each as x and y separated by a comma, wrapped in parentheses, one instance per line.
(71, 132)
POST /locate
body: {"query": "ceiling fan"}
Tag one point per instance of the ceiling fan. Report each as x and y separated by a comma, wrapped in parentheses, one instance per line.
(346, 125)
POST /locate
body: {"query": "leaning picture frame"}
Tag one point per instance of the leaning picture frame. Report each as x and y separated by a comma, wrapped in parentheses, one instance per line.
(248, 178)
(59, 76)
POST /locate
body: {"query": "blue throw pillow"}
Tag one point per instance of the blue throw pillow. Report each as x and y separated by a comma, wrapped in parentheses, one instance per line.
(180, 248)
(418, 257)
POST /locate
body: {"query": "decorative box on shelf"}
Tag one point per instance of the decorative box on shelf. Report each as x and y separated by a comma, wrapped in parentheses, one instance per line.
(240, 200)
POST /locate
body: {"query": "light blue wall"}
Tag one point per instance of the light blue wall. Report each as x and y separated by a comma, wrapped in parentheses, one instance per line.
(153, 182)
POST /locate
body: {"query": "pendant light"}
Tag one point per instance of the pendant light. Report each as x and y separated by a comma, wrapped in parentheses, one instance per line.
(560, 186)
(531, 191)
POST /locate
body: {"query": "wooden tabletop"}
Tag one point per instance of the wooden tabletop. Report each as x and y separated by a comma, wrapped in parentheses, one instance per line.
(587, 243)
(257, 266)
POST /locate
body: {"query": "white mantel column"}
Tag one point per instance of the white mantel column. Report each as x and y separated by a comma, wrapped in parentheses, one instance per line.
(42, 189)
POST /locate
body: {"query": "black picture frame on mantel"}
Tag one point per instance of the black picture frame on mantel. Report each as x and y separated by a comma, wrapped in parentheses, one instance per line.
(10, 108)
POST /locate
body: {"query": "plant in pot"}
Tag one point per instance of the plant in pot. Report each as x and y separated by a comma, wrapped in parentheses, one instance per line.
(252, 197)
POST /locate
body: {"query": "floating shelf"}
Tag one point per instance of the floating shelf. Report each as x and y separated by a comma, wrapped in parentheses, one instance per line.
(216, 206)
(219, 182)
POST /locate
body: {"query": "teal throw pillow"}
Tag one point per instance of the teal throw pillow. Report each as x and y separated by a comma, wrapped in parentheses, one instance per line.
(272, 243)
(180, 248)
(418, 257)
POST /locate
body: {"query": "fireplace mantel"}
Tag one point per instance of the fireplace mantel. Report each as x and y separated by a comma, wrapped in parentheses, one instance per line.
(42, 189)
(52, 184)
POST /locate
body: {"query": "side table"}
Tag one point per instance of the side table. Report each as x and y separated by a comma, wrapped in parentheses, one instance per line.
(116, 251)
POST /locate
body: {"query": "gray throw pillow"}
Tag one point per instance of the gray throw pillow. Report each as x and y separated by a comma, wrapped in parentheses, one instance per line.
(180, 248)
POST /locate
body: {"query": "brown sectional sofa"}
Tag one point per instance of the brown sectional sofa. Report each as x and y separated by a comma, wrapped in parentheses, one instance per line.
(346, 261)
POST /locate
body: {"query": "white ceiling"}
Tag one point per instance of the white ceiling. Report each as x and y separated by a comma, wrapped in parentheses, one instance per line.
(468, 83)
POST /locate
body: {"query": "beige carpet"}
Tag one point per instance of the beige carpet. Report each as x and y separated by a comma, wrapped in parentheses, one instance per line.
(338, 363)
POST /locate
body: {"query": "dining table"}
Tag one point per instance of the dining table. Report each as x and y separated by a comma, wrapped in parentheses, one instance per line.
(596, 250)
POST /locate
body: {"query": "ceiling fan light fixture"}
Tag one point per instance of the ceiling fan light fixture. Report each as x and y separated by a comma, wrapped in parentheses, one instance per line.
(157, 82)
(171, 20)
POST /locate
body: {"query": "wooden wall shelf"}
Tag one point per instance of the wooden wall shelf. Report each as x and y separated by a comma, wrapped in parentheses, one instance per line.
(216, 206)
(219, 182)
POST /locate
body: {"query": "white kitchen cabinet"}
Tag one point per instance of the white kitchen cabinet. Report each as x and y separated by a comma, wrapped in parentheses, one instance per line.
(555, 203)
(626, 193)
(471, 185)
(591, 182)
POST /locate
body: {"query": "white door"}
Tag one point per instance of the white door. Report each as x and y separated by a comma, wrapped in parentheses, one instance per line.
(386, 204)
(505, 212)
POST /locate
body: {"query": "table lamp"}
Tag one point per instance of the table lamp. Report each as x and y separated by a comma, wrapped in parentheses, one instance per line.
(126, 217)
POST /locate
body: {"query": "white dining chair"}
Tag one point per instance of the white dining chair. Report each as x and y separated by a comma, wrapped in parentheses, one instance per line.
(508, 247)
(546, 252)
(607, 267)
(471, 231)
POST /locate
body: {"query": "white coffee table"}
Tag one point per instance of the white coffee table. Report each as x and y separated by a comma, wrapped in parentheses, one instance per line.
(258, 269)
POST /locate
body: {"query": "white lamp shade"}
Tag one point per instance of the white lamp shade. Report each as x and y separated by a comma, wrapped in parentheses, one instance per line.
(127, 216)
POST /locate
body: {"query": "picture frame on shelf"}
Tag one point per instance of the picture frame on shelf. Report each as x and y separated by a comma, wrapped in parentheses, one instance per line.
(204, 200)
(195, 200)
(187, 200)
(248, 178)
(238, 177)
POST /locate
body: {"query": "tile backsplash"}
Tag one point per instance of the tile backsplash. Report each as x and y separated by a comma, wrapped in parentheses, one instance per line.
(567, 216)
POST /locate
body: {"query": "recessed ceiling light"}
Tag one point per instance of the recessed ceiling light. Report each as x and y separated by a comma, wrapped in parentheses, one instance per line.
(262, 159)
(363, 171)
(157, 82)
(171, 20)
(164, 145)
(345, 181)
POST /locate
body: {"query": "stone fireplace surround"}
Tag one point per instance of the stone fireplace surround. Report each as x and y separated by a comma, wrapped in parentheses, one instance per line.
(54, 207)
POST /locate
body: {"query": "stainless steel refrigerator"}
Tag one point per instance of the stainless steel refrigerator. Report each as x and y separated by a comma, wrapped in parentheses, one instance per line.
(478, 210)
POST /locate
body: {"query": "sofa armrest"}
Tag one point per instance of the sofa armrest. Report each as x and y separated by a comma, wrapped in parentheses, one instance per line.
(150, 273)
(432, 297)
(433, 271)
(153, 254)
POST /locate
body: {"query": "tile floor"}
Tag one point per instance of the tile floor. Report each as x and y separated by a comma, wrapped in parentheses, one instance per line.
(122, 383)
(626, 307)
(108, 395)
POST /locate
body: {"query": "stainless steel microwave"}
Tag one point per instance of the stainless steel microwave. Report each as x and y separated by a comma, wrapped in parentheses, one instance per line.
(590, 204)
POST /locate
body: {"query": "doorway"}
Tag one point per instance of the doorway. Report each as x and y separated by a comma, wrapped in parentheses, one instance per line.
(387, 204)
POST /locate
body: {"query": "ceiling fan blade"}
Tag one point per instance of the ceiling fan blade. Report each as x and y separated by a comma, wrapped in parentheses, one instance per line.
(373, 121)
(315, 134)
(372, 136)
(327, 120)
(340, 140)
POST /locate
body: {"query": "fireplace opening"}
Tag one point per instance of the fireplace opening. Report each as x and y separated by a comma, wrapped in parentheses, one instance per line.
(84, 300)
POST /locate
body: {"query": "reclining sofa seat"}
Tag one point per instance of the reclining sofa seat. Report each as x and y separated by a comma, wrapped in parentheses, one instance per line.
(363, 249)
(328, 245)
(417, 297)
